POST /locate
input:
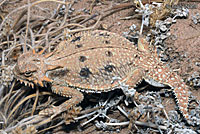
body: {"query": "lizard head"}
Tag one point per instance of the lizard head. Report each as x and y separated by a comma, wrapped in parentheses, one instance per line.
(30, 70)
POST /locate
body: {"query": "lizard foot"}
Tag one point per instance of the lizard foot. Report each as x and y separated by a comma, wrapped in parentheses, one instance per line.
(70, 115)
(53, 111)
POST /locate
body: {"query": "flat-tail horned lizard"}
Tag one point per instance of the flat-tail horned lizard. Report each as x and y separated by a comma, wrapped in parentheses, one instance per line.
(89, 61)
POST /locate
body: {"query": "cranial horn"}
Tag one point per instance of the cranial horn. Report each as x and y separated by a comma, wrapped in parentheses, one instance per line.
(40, 83)
(35, 81)
(41, 52)
(49, 54)
(34, 51)
(45, 78)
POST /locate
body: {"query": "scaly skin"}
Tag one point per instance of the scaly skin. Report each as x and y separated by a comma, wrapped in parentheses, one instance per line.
(90, 61)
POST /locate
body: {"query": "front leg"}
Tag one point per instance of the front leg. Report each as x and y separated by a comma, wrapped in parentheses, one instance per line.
(75, 98)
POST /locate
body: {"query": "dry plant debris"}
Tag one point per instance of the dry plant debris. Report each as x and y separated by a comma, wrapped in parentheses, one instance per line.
(110, 112)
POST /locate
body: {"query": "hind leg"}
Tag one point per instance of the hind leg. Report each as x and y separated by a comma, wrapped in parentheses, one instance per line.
(134, 78)
(131, 94)
(128, 84)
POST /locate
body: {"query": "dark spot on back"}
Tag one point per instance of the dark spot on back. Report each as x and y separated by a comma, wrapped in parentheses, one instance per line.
(59, 73)
(107, 41)
(131, 63)
(109, 54)
(79, 45)
(104, 34)
(85, 72)
(135, 56)
(76, 39)
(109, 68)
(82, 58)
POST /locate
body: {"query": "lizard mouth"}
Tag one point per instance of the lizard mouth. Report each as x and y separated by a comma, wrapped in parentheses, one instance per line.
(33, 81)
(31, 84)
(25, 82)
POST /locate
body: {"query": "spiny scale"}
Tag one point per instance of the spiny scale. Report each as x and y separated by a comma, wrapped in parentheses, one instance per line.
(89, 61)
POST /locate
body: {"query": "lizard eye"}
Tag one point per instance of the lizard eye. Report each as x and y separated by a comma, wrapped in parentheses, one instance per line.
(28, 74)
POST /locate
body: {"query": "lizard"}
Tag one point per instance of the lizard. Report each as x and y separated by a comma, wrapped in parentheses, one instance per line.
(89, 61)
